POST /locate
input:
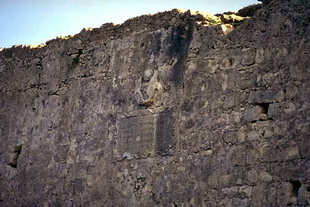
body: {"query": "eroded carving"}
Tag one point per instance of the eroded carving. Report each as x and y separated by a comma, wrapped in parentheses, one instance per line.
(149, 90)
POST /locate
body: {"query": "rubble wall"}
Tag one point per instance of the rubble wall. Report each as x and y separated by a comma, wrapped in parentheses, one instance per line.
(163, 110)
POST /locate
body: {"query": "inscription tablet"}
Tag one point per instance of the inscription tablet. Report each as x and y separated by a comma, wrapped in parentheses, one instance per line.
(142, 135)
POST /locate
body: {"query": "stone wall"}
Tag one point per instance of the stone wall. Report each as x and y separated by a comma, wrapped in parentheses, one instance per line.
(175, 109)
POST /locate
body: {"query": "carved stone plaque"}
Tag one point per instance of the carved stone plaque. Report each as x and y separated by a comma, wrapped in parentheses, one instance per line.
(143, 135)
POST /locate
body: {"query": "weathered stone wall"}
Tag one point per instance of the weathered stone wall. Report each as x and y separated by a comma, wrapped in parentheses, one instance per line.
(163, 110)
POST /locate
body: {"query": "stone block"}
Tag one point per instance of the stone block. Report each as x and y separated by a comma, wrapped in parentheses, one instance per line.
(241, 134)
(248, 58)
(253, 135)
(213, 181)
(265, 176)
(224, 180)
(212, 65)
(259, 97)
(252, 176)
(232, 191)
(305, 146)
(247, 190)
(292, 152)
(226, 202)
(227, 63)
(227, 29)
(275, 110)
(237, 116)
(291, 91)
(260, 53)
(299, 72)
(257, 196)
(289, 108)
(303, 196)
(240, 202)
(229, 101)
(246, 79)
(254, 113)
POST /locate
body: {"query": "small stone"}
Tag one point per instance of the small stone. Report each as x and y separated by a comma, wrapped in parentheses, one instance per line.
(227, 29)
(237, 117)
(239, 181)
(247, 190)
(274, 110)
(224, 180)
(298, 72)
(290, 107)
(265, 176)
(213, 181)
(259, 58)
(226, 202)
(119, 174)
(248, 58)
(230, 191)
(303, 195)
(212, 65)
(128, 156)
(257, 196)
(280, 129)
(231, 18)
(246, 80)
(224, 83)
(224, 119)
(241, 135)
(74, 56)
(268, 133)
(293, 152)
(206, 104)
(229, 101)
(199, 17)
(253, 113)
(208, 152)
(253, 135)
(227, 63)
(172, 21)
(45, 204)
(291, 92)
(252, 176)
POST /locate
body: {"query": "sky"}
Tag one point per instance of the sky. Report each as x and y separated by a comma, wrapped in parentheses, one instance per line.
(37, 21)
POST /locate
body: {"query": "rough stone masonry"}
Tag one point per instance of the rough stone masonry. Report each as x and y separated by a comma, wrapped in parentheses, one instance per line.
(176, 109)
